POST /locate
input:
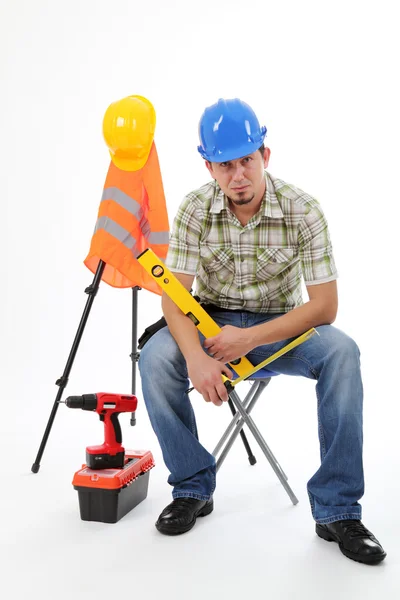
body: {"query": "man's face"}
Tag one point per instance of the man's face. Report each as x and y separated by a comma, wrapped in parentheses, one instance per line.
(241, 180)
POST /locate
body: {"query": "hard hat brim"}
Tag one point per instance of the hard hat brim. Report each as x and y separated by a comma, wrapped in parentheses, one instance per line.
(234, 154)
(128, 165)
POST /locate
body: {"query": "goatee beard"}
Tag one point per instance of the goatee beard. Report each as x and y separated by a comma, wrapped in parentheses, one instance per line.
(241, 202)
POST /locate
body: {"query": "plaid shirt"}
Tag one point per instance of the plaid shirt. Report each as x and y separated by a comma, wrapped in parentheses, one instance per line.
(257, 267)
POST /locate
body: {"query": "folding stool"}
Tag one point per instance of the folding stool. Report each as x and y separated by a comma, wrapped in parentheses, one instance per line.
(240, 410)
(241, 415)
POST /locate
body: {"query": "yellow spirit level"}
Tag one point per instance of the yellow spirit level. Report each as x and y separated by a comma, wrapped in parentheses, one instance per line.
(208, 327)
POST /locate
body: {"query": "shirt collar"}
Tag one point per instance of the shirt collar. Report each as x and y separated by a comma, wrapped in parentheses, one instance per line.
(270, 206)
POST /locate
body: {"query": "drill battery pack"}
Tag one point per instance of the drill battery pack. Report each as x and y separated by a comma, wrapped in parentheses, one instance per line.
(106, 495)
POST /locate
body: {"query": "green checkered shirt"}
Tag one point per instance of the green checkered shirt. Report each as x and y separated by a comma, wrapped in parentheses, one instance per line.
(257, 267)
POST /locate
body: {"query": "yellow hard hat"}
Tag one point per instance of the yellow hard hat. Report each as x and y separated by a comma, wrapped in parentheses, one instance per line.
(128, 130)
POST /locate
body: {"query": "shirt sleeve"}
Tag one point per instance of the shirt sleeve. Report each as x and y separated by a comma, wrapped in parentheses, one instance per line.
(184, 244)
(315, 248)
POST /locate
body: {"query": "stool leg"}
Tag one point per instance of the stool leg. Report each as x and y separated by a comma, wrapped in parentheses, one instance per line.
(257, 388)
(248, 403)
(239, 425)
(237, 422)
(250, 395)
(250, 455)
(263, 445)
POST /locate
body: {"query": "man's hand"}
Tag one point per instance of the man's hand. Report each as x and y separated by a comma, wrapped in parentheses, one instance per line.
(205, 375)
(231, 343)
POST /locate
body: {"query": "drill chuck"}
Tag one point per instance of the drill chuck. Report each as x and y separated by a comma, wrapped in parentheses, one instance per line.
(85, 402)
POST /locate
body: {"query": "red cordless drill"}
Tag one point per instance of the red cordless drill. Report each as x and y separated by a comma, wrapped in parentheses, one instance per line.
(111, 454)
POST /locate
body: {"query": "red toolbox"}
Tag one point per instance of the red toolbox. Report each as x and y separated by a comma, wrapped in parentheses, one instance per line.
(106, 495)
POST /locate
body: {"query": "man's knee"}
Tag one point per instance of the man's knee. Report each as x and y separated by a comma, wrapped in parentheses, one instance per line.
(340, 350)
(336, 341)
(160, 351)
(346, 347)
(163, 373)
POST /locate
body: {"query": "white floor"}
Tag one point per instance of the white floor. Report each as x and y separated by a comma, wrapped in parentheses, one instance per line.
(255, 543)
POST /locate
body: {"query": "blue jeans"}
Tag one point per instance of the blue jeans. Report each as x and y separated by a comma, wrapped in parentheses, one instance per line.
(332, 359)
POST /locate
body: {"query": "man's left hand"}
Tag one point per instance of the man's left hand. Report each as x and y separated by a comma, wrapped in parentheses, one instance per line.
(231, 343)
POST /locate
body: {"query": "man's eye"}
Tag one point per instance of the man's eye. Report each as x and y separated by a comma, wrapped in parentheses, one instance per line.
(247, 159)
(224, 164)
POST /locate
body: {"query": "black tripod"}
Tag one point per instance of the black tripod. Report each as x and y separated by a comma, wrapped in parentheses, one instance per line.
(62, 382)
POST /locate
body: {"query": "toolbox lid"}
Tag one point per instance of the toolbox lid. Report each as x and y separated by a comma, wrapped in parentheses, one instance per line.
(137, 462)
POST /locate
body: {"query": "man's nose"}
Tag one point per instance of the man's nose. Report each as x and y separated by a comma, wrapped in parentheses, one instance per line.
(238, 174)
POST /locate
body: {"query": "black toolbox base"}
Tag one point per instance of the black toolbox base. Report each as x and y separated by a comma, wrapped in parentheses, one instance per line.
(109, 506)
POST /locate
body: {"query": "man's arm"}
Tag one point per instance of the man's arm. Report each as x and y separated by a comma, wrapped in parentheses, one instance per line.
(203, 370)
(232, 342)
(182, 329)
(321, 309)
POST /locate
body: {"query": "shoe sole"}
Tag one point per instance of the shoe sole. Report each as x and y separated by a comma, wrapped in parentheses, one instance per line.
(325, 535)
(206, 510)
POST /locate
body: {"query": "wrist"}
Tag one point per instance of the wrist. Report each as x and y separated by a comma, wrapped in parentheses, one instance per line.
(258, 335)
(193, 355)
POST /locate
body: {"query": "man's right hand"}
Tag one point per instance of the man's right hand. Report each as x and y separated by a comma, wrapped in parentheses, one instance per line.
(205, 374)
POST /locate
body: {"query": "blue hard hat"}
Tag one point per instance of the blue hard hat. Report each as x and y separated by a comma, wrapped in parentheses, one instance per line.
(229, 130)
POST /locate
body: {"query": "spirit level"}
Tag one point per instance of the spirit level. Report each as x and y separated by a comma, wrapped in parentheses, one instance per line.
(208, 327)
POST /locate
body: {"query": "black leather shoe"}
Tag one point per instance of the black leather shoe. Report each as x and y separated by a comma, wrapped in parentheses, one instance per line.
(180, 516)
(355, 541)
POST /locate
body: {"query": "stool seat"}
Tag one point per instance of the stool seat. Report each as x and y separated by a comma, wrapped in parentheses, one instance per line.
(260, 374)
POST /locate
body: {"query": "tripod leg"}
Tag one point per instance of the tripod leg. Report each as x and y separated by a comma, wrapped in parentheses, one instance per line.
(63, 381)
(135, 353)
(250, 455)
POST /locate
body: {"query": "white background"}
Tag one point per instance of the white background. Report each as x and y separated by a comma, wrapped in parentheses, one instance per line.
(323, 78)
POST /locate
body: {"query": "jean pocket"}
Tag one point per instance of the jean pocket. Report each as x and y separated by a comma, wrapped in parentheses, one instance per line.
(273, 261)
(218, 261)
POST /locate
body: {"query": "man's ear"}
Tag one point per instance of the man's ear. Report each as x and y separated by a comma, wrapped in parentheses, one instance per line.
(267, 154)
(210, 168)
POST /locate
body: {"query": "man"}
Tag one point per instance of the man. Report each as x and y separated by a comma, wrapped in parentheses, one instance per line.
(248, 239)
